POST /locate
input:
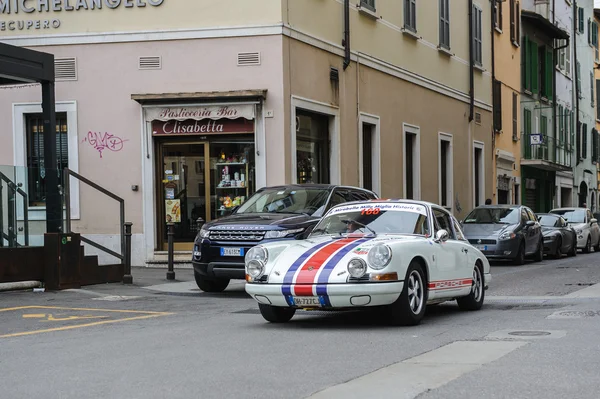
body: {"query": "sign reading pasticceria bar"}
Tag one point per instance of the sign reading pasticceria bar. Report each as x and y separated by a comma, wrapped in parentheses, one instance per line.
(32, 7)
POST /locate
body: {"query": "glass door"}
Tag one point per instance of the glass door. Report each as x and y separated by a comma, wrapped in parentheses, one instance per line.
(183, 173)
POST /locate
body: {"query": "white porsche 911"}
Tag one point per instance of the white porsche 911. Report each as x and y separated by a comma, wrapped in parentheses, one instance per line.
(399, 254)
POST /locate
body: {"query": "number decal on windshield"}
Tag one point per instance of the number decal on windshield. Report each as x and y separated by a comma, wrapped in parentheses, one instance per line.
(370, 211)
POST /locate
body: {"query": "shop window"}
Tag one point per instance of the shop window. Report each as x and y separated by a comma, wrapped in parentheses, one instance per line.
(312, 147)
(36, 173)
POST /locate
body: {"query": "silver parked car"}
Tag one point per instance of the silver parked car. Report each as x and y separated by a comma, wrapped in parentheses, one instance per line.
(505, 232)
(585, 225)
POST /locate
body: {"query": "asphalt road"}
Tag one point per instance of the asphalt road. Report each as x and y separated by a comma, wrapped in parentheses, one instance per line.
(536, 337)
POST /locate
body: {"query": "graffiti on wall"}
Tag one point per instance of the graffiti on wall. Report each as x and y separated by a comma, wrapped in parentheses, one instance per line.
(104, 141)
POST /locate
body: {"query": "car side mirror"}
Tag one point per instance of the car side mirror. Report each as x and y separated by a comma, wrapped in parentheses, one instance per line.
(442, 236)
(592, 221)
(529, 223)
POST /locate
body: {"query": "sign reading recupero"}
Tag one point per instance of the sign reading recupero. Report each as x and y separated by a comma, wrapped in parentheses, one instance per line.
(32, 7)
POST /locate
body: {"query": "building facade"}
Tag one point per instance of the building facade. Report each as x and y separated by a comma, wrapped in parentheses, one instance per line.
(205, 103)
(597, 89)
(506, 96)
(543, 152)
(585, 175)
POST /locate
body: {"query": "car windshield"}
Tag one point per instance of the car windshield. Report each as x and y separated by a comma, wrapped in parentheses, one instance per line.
(375, 218)
(294, 200)
(571, 215)
(493, 215)
(547, 220)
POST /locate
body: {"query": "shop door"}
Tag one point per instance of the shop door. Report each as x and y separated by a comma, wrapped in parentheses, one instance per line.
(183, 173)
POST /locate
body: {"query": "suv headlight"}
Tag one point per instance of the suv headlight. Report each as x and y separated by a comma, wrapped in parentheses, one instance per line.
(379, 256)
(257, 253)
(281, 233)
(204, 232)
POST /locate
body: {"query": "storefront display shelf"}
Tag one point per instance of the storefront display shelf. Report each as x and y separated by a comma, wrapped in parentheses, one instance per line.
(232, 186)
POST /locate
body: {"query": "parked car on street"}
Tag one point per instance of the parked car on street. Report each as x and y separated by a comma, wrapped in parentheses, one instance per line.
(559, 237)
(401, 255)
(273, 213)
(505, 232)
(585, 225)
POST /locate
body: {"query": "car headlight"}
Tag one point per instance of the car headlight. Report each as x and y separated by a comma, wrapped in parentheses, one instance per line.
(357, 267)
(379, 256)
(281, 233)
(507, 236)
(257, 253)
(204, 233)
(255, 268)
(579, 231)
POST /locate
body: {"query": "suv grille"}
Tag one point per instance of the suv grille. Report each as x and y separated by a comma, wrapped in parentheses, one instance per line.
(237, 235)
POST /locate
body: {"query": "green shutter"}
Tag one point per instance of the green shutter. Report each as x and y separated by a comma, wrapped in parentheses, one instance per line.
(534, 66)
(561, 123)
(525, 63)
(549, 74)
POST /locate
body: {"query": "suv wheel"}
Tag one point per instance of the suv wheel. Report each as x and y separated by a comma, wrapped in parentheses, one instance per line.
(210, 285)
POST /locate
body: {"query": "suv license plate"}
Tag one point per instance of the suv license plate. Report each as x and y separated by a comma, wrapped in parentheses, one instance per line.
(232, 251)
(307, 301)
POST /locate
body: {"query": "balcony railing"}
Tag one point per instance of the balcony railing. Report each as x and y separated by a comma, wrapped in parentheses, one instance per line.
(551, 150)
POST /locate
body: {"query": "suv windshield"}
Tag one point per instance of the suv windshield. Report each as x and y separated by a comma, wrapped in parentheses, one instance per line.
(286, 200)
(571, 215)
(375, 219)
(493, 215)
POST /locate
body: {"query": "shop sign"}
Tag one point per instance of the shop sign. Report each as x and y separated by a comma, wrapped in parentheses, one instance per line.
(205, 127)
(213, 112)
(32, 7)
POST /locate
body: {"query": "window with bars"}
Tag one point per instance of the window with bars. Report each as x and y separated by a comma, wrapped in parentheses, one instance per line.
(410, 15)
(477, 36)
(36, 172)
(368, 4)
(445, 24)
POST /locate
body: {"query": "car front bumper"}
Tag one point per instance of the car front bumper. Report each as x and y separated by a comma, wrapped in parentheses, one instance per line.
(337, 295)
(502, 249)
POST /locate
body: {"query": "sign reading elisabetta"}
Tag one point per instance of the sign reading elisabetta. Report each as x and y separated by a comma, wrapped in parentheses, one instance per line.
(31, 7)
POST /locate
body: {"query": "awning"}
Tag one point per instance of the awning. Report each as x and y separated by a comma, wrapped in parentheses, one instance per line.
(543, 24)
(212, 96)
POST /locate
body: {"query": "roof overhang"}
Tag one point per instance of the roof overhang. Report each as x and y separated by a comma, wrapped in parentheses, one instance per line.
(212, 96)
(20, 65)
(543, 24)
(544, 165)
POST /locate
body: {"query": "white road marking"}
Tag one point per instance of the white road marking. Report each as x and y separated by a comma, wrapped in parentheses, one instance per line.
(430, 370)
(589, 292)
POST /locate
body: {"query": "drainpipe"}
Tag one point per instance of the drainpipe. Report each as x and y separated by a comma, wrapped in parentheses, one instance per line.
(471, 64)
(493, 20)
(346, 34)
(576, 79)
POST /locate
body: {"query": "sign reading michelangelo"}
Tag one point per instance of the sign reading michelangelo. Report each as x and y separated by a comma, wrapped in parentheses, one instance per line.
(34, 7)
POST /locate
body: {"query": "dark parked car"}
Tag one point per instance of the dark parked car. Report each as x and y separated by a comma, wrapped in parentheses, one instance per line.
(559, 237)
(505, 232)
(272, 213)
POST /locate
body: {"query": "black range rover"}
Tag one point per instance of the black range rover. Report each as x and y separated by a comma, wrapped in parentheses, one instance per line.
(272, 213)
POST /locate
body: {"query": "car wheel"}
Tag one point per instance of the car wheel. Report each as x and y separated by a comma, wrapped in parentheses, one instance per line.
(520, 259)
(558, 253)
(210, 285)
(573, 251)
(588, 246)
(474, 301)
(276, 314)
(597, 246)
(539, 255)
(409, 308)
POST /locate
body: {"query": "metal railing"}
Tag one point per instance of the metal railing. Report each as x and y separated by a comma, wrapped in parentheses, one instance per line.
(12, 235)
(550, 149)
(125, 228)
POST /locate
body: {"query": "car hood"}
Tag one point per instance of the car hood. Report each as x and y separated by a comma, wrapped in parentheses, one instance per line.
(486, 229)
(266, 221)
(578, 225)
(328, 257)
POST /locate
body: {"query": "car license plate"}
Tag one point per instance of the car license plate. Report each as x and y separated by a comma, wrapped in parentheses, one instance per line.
(307, 301)
(481, 247)
(232, 251)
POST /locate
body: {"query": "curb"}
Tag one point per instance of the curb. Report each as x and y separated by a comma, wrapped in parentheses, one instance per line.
(20, 285)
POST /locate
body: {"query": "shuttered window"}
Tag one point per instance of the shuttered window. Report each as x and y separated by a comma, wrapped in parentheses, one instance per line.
(584, 143)
(515, 125)
(594, 146)
(580, 20)
(410, 15)
(598, 99)
(561, 124)
(497, 105)
(477, 36)
(578, 140)
(445, 24)
(592, 95)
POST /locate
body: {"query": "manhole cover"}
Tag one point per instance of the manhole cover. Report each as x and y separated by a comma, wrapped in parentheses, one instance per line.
(582, 284)
(529, 333)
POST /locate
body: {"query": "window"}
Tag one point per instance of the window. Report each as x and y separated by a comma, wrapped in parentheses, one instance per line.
(410, 15)
(412, 171)
(445, 171)
(477, 36)
(592, 95)
(515, 110)
(368, 4)
(444, 222)
(584, 142)
(578, 139)
(368, 136)
(312, 147)
(513, 21)
(478, 173)
(594, 145)
(36, 173)
(579, 80)
(529, 65)
(458, 230)
(498, 15)
(527, 123)
(580, 20)
(445, 24)
(594, 38)
(497, 104)
(544, 125)
(567, 51)
(598, 99)
(561, 55)
(561, 125)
